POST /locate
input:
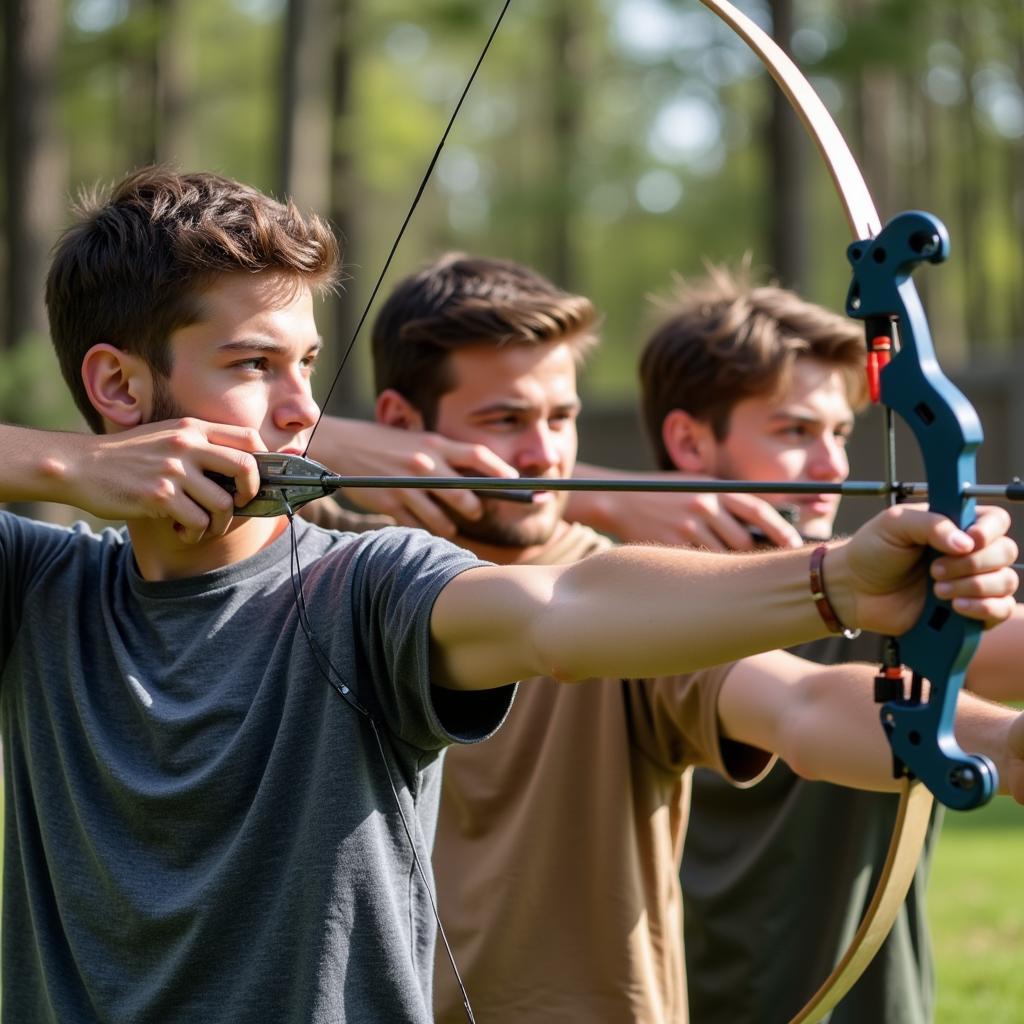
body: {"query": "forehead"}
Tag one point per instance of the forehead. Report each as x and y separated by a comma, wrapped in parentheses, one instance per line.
(235, 298)
(268, 310)
(812, 389)
(544, 372)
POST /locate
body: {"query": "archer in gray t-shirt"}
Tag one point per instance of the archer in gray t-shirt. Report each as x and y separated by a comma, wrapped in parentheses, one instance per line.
(198, 826)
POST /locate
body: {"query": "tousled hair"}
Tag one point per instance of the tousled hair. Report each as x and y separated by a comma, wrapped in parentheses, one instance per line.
(723, 340)
(459, 301)
(132, 268)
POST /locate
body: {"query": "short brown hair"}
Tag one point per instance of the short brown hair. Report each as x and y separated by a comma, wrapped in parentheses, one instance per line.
(458, 301)
(724, 340)
(130, 271)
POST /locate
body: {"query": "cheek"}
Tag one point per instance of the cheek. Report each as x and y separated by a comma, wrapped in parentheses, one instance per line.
(568, 445)
(240, 406)
(759, 460)
(792, 464)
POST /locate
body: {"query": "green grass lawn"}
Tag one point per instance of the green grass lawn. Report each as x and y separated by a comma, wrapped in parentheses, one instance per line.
(976, 902)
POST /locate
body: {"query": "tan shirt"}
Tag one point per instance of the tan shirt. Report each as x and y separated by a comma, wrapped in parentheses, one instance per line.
(558, 846)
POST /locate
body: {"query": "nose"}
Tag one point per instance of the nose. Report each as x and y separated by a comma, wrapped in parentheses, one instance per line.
(537, 451)
(295, 409)
(828, 459)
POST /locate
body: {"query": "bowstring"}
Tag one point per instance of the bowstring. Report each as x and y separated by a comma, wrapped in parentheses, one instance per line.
(321, 658)
(405, 223)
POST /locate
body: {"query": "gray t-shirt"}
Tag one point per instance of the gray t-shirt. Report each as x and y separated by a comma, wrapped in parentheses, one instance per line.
(776, 879)
(198, 826)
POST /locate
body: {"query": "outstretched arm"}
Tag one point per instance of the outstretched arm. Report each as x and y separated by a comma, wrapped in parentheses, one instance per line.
(643, 612)
(823, 721)
(154, 471)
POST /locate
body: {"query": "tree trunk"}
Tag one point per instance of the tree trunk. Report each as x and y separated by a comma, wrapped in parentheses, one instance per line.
(34, 161)
(344, 203)
(305, 135)
(567, 48)
(174, 140)
(970, 173)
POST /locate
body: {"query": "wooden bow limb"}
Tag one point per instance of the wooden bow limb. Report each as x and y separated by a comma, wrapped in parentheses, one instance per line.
(916, 801)
(905, 847)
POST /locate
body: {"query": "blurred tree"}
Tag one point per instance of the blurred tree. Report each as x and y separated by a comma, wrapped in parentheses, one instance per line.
(34, 165)
(343, 187)
(303, 146)
(174, 136)
(570, 69)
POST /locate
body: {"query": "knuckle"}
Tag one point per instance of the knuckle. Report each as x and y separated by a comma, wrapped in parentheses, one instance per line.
(162, 491)
(181, 439)
(187, 424)
(420, 462)
(171, 468)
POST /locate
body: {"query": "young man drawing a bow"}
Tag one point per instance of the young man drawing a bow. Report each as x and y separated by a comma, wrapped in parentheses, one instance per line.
(221, 740)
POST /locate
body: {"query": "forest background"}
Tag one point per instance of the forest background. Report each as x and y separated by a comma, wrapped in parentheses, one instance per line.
(610, 143)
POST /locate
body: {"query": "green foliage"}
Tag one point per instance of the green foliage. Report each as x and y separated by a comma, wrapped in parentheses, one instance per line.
(32, 390)
(580, 109)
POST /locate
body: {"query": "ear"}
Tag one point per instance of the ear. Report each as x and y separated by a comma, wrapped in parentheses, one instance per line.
(690, 442)
(395, 410)
(119, 386)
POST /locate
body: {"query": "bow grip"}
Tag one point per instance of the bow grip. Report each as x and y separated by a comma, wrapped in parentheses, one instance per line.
(939, 646)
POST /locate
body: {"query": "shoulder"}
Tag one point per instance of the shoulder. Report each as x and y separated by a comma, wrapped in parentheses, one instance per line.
(391, 557)
(18, 533)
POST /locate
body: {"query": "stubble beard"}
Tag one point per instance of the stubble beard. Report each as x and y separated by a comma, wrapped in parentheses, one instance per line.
(165, 405)
(490, 528)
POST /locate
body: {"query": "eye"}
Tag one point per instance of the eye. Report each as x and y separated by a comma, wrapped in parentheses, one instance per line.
(506, 421)
(256, 363)
(797, 431)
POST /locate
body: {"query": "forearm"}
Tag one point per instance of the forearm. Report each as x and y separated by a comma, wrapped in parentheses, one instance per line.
(643, 611)
(350, 447)
(38, 464)
(824, 722)
(996, 669)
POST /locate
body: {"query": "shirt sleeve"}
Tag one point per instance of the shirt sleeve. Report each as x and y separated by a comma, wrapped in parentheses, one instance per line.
(398, 577)
(26, 546)
(674, 720)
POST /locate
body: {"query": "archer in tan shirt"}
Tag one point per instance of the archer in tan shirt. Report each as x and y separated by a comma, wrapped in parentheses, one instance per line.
(559, 839)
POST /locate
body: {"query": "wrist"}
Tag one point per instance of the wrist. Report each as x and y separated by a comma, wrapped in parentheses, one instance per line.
(832, 590)
(54, 468)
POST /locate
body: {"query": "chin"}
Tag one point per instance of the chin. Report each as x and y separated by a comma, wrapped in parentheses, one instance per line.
(509, 533)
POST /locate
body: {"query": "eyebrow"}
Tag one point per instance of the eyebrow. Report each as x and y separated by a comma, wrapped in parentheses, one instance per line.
(265, 345)
(510, 405)
(797, 417)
